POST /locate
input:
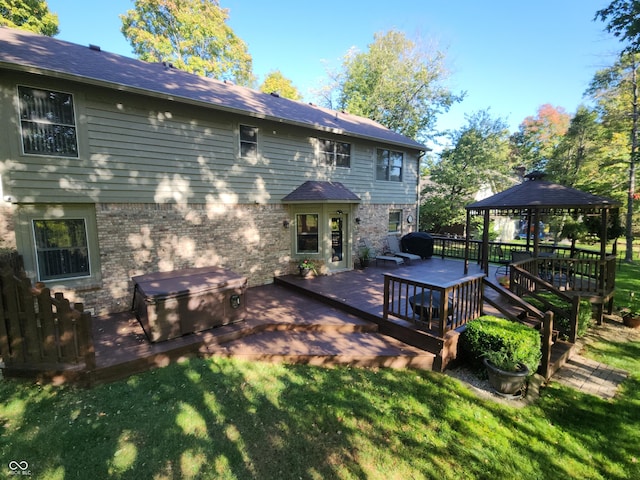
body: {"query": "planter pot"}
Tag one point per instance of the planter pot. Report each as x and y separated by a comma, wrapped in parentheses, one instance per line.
(631, 321)
(306, 272)
(509, 384)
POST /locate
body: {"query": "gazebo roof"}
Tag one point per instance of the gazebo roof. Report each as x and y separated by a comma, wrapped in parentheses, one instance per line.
(544, 197)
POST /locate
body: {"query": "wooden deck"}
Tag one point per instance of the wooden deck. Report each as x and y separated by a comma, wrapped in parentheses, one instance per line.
(325, 320)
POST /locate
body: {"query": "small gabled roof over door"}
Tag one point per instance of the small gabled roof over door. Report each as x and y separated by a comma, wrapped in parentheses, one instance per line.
(321, 192)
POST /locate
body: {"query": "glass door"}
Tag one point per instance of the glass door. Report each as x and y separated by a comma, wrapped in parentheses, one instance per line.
(338, 241)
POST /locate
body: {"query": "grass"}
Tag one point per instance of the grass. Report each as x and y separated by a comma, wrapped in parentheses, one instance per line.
(230, 419)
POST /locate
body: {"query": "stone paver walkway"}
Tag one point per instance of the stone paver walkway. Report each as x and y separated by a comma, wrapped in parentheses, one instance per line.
(590, 376)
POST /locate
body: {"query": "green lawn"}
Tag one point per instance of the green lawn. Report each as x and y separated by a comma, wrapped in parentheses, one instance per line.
(239, 420)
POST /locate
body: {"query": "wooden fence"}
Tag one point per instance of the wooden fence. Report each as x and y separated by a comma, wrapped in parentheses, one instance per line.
(41, 335)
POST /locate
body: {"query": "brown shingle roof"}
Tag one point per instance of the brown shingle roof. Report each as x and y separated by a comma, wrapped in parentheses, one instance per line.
(26, 51)
(313, 191)
(534, 194)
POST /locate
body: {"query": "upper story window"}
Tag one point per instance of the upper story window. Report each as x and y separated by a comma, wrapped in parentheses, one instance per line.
(248, 142)
(389, 165)
(48, 122)
(336, 154)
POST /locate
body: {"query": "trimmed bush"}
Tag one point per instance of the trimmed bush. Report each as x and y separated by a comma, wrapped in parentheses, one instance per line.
(562, 323)
(515, 342)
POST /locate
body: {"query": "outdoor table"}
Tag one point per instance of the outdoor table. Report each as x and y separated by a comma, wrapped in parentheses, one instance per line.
(426, 305)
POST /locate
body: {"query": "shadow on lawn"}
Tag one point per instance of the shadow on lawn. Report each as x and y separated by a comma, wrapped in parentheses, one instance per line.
(230, 419)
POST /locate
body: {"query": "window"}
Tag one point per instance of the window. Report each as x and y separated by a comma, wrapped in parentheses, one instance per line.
(307, 233)
(61, 248)
(248, 142)
(389, 165)
(336, 154)
(395, 221)
(48, 122)
(59, 244)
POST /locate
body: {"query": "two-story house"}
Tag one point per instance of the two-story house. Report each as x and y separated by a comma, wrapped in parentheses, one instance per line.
(112, 167)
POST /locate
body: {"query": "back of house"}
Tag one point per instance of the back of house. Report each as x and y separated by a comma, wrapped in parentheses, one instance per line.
(112, 167)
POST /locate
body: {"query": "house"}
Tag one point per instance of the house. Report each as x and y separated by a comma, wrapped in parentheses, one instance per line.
(112, 167)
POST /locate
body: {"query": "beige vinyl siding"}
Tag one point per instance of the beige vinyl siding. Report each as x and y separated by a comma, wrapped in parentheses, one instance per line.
(140, 150)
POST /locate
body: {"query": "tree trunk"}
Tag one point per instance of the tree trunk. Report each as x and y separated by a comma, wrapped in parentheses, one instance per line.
(632, 165)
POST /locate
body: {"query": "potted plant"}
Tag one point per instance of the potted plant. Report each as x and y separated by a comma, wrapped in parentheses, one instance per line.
(306, 267)
(509, 351)
(631, 313)
(364, 255)
(506, 374)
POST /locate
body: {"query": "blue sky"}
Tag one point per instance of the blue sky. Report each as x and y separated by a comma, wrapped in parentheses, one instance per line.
(510, 56)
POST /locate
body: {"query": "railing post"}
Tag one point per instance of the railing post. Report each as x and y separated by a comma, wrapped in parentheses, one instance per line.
(547, 341)
(385, 309)
(575, 313)
(87, 347)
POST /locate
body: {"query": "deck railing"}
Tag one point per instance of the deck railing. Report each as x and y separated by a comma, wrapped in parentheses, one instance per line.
(435, 308)
(453, 247)
(41, 334)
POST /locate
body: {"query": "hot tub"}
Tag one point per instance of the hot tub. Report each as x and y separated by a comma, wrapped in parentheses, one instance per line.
(172, 304)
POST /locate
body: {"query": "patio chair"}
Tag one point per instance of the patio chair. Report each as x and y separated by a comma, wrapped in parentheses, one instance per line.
(519, 255)
(385, 258)
(393, 245)
(504, 262)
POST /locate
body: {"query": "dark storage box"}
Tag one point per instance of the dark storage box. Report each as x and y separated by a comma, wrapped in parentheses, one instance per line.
(171, 304)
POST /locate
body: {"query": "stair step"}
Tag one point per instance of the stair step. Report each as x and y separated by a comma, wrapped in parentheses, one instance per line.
(326, 348)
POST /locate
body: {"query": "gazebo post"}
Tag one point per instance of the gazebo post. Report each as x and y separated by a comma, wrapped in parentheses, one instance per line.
(485, 242)
(466, 244)
(536, 232)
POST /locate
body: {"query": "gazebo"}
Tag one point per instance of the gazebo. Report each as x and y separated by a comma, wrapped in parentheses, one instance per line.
(534, 199)
(590, 277)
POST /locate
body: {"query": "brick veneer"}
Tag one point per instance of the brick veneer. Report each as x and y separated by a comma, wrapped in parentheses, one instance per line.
(250, 240)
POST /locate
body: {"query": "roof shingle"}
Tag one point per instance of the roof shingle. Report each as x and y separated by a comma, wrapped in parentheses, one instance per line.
(26, 51)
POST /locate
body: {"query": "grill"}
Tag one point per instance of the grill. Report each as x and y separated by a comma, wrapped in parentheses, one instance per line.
(171, 304)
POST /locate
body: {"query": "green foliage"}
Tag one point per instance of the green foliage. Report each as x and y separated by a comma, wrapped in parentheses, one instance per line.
(623, 21)
(503, 341)
(31, 15)
(275, 82)
(396, 83)
(477, 159)
(190, 34)
(562, 323)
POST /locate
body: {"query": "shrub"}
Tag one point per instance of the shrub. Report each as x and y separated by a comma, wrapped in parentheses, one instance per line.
(498, 338)
(560, 322)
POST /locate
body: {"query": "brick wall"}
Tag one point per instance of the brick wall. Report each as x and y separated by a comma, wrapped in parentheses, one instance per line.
(7, 226)
(374, 225)
(141, 238)
(250, 240)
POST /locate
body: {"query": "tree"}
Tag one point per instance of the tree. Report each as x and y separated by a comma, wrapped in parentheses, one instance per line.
(623, 21)
(622, 18)
(478, 159)
(581, 159)
(190, 34)
(538, 136)
(278, 83)
(31, 15)
(395, 83)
